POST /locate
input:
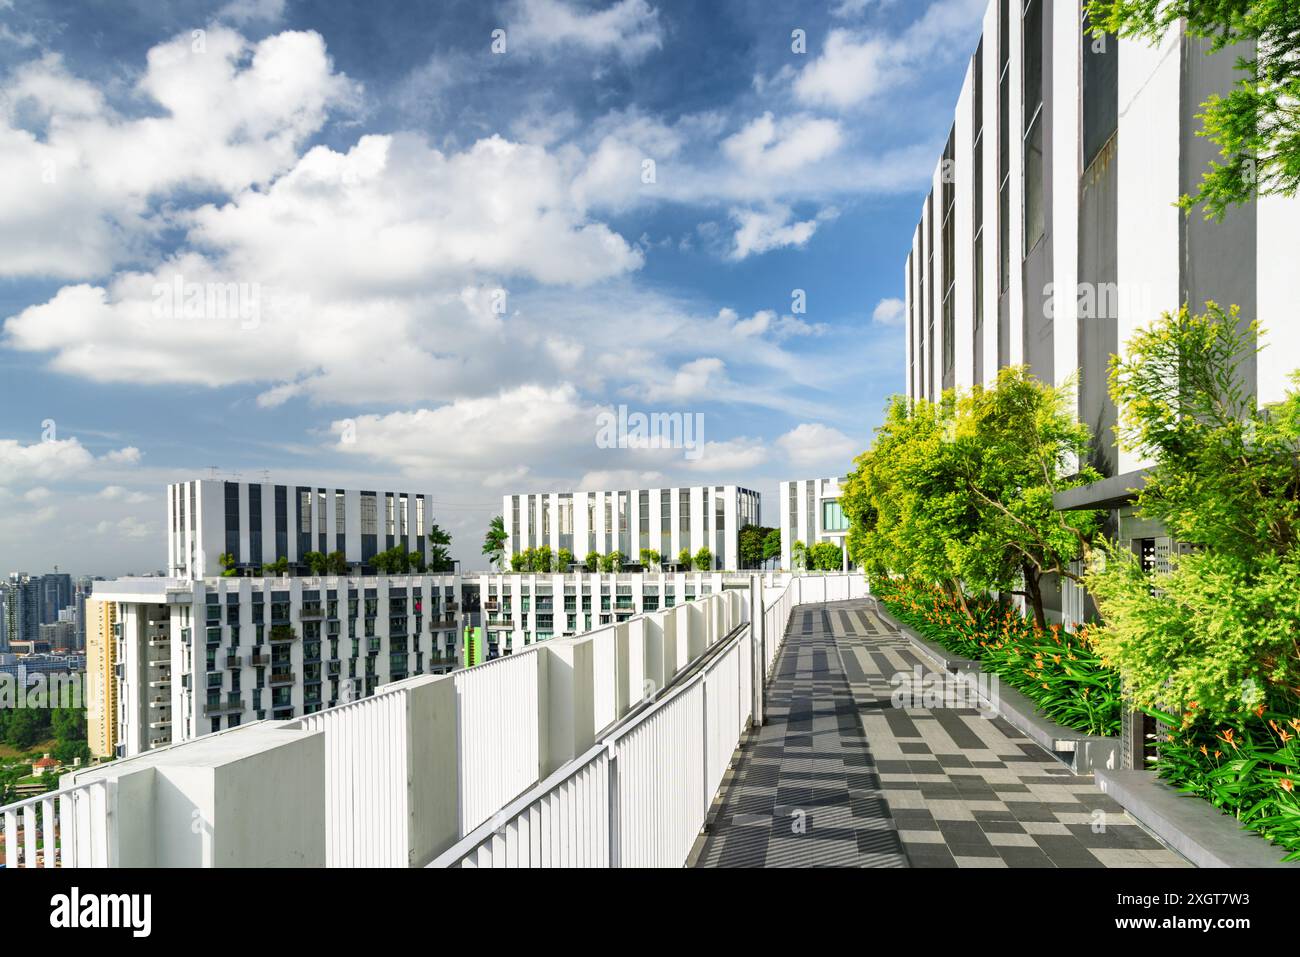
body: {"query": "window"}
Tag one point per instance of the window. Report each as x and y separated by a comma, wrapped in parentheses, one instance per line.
(643, 523)
(340, 514)
(833, 517)
(929, 284)
(403, 527)
(684, 516)
(977, 186)
(320, 512)
(232, 519)
(369, 515)
(1100, 93)
(1032, 72)
(390, 522)
(1004, 148)
(304, 511)
(255, 524)
(949, 194)
(419, 516)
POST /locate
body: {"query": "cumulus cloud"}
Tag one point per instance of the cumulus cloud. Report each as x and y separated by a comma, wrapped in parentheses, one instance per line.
(53, 460)
(857, 66)
(888, 312)
(812, 445)
(74, 192)
(629, 29)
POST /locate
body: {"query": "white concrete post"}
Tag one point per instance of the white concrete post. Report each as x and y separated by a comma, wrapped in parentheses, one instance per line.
(758, 650)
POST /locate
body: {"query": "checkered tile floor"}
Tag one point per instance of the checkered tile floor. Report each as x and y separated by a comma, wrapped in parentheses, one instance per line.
(840, 777)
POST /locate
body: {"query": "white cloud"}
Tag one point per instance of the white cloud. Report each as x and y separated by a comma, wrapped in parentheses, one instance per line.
(52, 461)
(698, 379)
(888, 312)
(628, 28)
(74, 202)
(731, 458)
(129, 527)
(243, 11)
(760, 231)
(116, 493)
(855, 67)
(765, 147)
(813, 445)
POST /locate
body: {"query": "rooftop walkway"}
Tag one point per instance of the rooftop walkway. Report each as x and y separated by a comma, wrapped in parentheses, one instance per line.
(839, 777)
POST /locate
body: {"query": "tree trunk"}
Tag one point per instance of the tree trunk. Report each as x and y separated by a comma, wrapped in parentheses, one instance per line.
(1033, 585)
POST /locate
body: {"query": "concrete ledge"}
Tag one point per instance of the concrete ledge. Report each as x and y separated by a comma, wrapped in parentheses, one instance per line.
(1194, 828)
(1082, 752)
(937, 653)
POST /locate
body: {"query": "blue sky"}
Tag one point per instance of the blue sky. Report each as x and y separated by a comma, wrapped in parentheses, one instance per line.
(449, 259)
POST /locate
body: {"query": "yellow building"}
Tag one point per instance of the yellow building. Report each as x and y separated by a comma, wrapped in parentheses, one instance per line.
(101, 677)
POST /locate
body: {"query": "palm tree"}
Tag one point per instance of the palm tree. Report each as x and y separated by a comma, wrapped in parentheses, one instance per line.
(494, 542)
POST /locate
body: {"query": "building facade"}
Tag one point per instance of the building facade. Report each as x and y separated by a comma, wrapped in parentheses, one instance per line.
(811, 513)
(101, 678)
(193, 657)
(260, 523)
(663, 520)
(1051, 232)
(521, 610)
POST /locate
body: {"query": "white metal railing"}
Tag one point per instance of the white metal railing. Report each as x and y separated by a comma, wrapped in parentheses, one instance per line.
(604, 749)
(65, 828)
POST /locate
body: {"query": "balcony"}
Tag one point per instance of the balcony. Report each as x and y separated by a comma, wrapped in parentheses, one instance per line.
(234, 661)
(312, 612)
(279, 678)
(232, 705)
(259, 661)
(442, 622)
(282, 633)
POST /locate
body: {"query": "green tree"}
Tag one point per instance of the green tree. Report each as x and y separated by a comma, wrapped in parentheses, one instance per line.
(612, 562)
(772, 545)
(440, 551)
(1256, 125)
(592, 561)
(703, 560)
(9, 778)
(494, 542)
(563, 559)
(316, 562)
(753, 542)
(684, 558)
(798, 556)
(542, 559)
(1216, 635)
(278, 567)
(518, 562)
(227, 562)
(826, 557)
(336, 563)
(649, 558)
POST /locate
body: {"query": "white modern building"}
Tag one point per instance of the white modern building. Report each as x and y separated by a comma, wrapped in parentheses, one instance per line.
(197, 656)
(811, 513)
(259, 523)
(664, 520)
(1051, 235)
(521, 610)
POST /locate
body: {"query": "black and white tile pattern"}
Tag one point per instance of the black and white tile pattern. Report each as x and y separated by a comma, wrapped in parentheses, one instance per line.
(838, 776)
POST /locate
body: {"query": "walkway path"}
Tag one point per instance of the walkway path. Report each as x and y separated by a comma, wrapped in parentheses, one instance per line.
(840, 777)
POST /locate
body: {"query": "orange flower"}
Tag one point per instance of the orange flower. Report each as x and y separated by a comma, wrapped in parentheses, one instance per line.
(1287, 785)
(1205, 751)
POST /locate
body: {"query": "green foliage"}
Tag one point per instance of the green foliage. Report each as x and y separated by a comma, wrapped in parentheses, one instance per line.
(9, 778)
(1219, 630)
(563, 559)
(518, 562)
(1256, 125)
(494, 541)
(227, 562)
(960, 490)
(592, 561)
(649, 558)
(1055, 668)
(798, 556)
(684, 558)
(612, 562)
(753, 542)
(1248, 768)
(278, 567)
(772, 545)
(703, 560)
(336, 563)
(439, 551)
(826, 557)
(316, 562)
(542, 561)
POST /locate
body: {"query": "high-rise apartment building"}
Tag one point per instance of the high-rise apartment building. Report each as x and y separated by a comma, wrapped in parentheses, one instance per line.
(260, 523)
(664, 520)
(1051, 233)
(101, 678)
(810, 513)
